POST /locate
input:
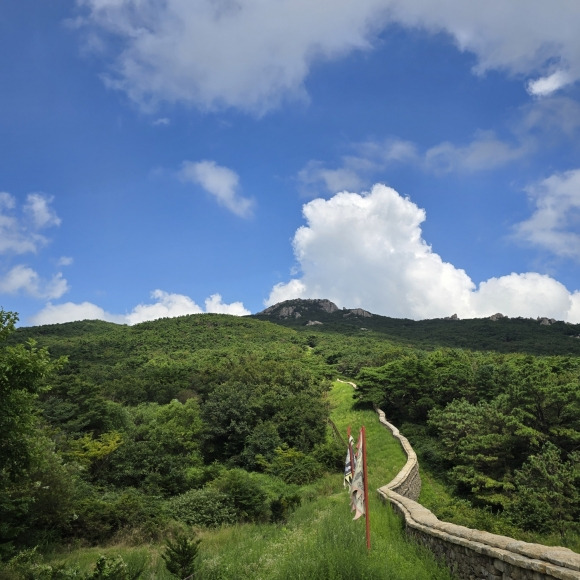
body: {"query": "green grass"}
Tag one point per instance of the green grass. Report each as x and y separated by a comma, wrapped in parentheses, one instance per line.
(385, 455)
(319, 542)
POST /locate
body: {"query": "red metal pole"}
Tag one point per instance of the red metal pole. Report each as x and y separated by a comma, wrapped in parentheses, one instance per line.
(366, 487)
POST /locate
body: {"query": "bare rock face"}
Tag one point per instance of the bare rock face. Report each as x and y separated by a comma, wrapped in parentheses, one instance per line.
(288, 311)
(313, 322)
(359, 312)
(296, 308)
(497, 316)
(546, 321)
(452, 317)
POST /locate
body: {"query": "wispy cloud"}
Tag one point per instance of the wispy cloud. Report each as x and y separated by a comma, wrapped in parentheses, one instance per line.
(372, 158)
(356, 170)
(219, 181)
(20, 228)
(20, 233)
(553, 225)
(483, 153)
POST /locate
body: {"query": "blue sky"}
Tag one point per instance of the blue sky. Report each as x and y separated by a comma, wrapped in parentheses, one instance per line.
(415, 158)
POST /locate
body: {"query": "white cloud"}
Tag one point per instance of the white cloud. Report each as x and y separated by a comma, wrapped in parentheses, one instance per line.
(38, 209)
(221, 182)
(528, 295)
(368, 251)
(549, 84)
(20, 227)
(69, 312)
(356, 171)
(315, 176)
(20, 233)
(165, 305)
(250, 54)
(253, 54)
(215, 304)
(485, 152)
(554, 222)
(522, 37)
(24, 279)
(65, 261)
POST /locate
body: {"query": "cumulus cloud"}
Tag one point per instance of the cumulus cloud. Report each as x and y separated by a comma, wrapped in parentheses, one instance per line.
(24, 279)
(553, 224)
(219, 181)
(367, 250)
(216, 305)
(253, 54)
(165, 305)
(69, 312)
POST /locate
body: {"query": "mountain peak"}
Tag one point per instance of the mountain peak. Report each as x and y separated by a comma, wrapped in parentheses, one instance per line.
(299, 307)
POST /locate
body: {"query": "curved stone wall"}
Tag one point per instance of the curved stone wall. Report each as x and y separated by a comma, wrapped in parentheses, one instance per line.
(471, 554)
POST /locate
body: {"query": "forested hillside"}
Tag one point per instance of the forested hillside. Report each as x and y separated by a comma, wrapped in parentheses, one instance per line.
(208, 420)
(202, 419)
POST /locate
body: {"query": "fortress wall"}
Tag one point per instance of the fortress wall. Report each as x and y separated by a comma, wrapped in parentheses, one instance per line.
(471, 554)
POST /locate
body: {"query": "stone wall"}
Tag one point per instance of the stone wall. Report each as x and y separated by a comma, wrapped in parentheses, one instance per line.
(471, 554)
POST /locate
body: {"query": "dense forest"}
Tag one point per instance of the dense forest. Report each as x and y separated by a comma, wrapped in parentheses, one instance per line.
(207, 420)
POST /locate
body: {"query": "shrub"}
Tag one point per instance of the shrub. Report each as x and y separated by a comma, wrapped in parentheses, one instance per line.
(207, 507)
(293, 466)
(246, 493)
(100, 516)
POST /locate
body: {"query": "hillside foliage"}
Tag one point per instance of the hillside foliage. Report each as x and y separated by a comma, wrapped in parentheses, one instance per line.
(209, 420)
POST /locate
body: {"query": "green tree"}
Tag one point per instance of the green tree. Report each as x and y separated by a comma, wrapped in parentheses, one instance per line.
(24, 369)
(180, 555)
(28, 465)
(547, 496)
(404, 386)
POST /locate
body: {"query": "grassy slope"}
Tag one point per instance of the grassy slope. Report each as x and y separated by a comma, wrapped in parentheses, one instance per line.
(320, 540)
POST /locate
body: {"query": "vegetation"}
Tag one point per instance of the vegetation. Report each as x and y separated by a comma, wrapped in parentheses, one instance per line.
(180, 555)
(115, 434)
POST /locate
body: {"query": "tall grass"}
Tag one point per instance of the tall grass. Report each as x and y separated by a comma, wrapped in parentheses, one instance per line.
(319, 542)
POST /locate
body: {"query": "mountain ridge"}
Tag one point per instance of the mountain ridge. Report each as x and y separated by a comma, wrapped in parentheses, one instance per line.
(496, 332)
